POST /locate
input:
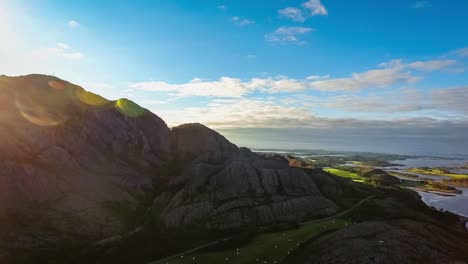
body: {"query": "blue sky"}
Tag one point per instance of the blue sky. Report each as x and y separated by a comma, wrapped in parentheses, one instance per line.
(299, 65)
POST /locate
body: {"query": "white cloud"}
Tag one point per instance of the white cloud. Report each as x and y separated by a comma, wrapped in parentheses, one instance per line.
(316, 8)
(222, 7)
(225, 87)
(433, 65)
(392, 72)
(404, 100)
(63, 46)
(276, 85)
(196, 80)
(318, 77)
(421, 4)
(288, 34)
(292, 13)
(60, 50)
(309, 8)
(372, 104)
(251, 56)
(368, 79)
(450, 98)
(243, 113)
(263, 113)
(73, 24)
(428, 66)
(242, 21)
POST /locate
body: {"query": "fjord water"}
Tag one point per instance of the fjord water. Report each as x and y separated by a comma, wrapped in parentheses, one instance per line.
(456, 204)
(429, 162)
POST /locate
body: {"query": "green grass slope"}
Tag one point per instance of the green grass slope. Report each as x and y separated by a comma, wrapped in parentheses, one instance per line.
(272, 247)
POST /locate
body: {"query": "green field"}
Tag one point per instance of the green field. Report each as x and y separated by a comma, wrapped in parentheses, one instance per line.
(345, 174)
(271, 247)
(438, 172)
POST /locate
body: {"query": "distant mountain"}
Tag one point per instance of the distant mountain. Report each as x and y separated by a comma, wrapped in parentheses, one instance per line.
(89, 180)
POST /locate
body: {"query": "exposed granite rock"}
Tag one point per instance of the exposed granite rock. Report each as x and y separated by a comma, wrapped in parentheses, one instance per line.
(239, 190)
(297, 162)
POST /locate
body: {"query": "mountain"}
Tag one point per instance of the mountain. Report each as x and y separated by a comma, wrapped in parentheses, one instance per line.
(76, 165)
(91, 180)
(66, 153)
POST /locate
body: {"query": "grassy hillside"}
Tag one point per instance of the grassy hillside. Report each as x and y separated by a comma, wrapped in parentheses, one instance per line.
(345, 174)
(271, 247)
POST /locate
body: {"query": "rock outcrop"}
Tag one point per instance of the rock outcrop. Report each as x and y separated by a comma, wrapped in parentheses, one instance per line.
(192, 141)
(297, 162)
(226, 187)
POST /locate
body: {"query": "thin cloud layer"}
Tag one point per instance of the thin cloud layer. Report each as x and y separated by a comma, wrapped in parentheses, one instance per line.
(241, 21)
(421, 4)
(225, 87)
(463, 52)
(292, 13)
(288, 35)
(73, 24)
(372, 78)
(257, 113)
(60, 50)
(406, 100)
(307, 10)
(433, 65)
(391, 73)
(316, 8)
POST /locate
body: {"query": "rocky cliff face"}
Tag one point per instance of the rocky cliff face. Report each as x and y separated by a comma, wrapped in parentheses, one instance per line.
(72, 161)
(226, 187)
(65, 154)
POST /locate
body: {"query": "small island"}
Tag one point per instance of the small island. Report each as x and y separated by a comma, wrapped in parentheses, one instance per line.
(457, 179)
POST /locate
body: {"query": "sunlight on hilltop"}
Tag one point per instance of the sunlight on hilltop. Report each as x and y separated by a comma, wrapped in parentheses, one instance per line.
(129, 108)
